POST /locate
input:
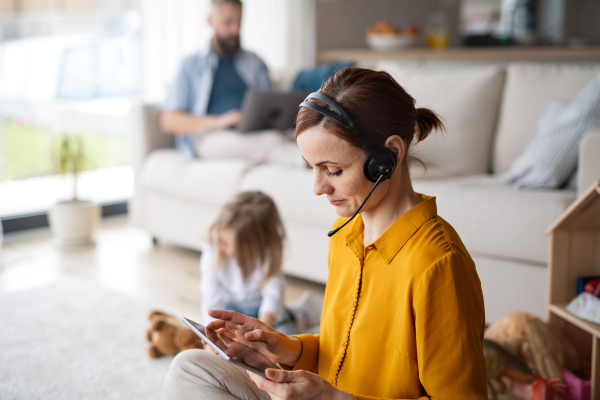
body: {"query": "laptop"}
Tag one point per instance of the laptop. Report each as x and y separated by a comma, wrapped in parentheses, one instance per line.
(270, 110)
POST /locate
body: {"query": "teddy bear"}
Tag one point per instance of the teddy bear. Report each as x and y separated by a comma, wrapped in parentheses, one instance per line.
(167, 336)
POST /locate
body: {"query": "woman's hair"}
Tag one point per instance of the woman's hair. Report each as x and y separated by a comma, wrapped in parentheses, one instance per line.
(258, 232)
(378, 106)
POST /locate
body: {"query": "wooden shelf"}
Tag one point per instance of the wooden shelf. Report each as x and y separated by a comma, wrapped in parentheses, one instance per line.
(483, 54)
(561, 311)
(575, 252)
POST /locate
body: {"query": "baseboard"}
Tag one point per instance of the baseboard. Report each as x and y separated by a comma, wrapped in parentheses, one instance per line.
(18, 223)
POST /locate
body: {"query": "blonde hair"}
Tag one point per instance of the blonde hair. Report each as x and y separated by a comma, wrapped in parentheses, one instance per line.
(258, 232)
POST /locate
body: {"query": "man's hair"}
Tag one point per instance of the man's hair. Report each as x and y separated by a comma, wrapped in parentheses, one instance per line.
(216, 3)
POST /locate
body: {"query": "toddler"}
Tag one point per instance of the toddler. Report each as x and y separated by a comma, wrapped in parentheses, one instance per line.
(241, 265)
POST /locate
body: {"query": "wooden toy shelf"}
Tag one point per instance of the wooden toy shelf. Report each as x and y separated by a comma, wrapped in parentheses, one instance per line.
(575, 252)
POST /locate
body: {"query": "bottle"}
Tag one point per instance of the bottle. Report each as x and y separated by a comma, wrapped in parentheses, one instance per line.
(437, 31)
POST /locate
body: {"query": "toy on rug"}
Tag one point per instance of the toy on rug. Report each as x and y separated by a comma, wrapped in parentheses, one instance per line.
(168, 336)
(527, 337)
(501, 363)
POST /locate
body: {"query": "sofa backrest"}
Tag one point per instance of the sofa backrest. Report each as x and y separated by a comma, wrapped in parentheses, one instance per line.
(527, 87)
(468, 100)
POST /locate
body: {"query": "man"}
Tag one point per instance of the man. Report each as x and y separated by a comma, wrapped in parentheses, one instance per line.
(209, 86)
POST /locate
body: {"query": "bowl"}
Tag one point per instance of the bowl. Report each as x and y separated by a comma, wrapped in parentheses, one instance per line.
(382, 42)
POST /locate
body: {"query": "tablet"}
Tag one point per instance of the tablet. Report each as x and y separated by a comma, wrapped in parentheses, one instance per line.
(249, 358)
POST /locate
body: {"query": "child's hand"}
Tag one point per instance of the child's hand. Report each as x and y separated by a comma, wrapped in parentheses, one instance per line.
(267, 318)
(276, 346)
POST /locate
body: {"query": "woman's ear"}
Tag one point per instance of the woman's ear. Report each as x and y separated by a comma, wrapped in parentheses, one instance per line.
(396, 144)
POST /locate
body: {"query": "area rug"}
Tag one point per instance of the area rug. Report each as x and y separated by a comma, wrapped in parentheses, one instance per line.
(76, 340)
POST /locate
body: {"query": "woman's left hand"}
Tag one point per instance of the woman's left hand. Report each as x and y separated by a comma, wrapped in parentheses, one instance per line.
(297, 385)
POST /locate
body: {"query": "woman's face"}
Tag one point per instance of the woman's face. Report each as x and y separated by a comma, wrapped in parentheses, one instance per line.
(338, 170)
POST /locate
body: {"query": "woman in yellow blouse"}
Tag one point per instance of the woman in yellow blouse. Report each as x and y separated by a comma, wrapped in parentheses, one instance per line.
(403, 315)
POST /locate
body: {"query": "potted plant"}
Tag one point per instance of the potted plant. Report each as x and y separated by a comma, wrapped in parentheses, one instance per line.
(73, 221)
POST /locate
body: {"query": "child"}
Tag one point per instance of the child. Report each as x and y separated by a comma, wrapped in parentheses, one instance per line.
(241, 266)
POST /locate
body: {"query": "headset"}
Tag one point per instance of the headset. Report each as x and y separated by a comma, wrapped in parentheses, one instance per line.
(381, 162)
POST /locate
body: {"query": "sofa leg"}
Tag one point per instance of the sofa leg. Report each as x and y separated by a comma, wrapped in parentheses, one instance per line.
(154, 241)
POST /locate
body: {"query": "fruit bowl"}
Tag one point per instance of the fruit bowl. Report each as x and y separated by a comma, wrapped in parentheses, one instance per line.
(385, 41)
(384, 36)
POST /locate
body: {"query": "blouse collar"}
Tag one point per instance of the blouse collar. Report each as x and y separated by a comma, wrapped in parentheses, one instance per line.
(396, 236)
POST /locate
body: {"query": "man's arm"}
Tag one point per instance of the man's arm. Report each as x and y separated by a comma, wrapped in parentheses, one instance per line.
(180, 122)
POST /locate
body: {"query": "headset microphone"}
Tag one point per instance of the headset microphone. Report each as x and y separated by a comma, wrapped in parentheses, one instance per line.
(381, 162)
(333, 232)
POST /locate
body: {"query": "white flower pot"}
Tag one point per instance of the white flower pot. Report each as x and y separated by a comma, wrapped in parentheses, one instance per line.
(73, 222)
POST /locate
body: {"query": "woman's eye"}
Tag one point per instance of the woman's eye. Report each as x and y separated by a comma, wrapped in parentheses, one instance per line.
(336, 173)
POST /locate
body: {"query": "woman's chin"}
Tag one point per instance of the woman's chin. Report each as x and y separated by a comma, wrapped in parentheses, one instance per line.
(344, 211)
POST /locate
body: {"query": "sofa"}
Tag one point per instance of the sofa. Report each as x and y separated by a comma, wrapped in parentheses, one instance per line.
(490, 115)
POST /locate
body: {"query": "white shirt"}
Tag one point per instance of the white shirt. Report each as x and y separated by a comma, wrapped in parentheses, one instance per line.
(225, 284)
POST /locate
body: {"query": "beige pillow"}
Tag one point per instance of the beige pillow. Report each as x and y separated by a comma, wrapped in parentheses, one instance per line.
(270, 146)
(467, 99)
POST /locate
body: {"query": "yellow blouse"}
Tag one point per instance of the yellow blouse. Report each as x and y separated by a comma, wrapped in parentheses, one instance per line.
(403, 318)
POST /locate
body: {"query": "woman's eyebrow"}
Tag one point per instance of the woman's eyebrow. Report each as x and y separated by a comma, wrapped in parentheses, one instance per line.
(320, 163)
(324, 162)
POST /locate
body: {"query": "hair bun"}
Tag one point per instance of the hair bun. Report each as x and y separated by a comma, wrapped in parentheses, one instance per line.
(426, 121)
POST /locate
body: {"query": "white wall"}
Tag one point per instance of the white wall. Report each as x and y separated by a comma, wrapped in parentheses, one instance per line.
(281, 32)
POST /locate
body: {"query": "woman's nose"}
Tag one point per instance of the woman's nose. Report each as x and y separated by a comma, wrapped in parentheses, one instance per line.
(321, 186)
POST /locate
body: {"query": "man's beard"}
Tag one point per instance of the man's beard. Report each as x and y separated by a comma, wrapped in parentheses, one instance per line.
(228, 46)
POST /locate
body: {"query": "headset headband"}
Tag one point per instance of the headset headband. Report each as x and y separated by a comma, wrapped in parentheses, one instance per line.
(339, 115)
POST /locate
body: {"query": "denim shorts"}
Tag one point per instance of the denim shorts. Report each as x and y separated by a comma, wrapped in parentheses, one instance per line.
(247, 311)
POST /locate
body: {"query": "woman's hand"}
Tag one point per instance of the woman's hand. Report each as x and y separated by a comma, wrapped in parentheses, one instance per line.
(297, 385)
(276, 346)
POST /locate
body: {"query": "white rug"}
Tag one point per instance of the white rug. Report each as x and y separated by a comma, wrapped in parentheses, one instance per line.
(76, 340)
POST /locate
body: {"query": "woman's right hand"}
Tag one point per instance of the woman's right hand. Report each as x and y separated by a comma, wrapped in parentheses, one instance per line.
(276, 346)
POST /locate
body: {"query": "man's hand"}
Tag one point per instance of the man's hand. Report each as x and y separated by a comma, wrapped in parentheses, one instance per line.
(179, 122)
(230, 119)
(297, 385)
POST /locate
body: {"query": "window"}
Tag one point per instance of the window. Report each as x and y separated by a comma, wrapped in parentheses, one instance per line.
(66, 67)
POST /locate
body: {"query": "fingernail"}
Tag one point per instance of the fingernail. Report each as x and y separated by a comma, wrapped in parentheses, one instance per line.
(250, 335)
(270, 373)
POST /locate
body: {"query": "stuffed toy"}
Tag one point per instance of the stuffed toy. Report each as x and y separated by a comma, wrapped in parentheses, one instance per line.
(527, 337)
(167, 336)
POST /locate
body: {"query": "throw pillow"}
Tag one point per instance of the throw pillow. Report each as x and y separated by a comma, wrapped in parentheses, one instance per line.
(551, 157)
(467, 100)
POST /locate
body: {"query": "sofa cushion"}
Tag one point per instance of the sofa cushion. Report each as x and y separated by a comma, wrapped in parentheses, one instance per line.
(211, 182)
(291, 189)
(527, 87)
(492, 218)
(468, 101)
(271, 146)
(551, 157)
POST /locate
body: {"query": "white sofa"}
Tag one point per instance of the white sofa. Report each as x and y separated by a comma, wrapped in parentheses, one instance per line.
(491, 116)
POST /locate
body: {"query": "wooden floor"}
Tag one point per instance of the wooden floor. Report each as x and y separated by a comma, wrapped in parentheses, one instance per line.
(123, 259)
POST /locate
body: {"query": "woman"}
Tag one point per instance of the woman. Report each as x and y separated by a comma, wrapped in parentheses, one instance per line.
(403, 316)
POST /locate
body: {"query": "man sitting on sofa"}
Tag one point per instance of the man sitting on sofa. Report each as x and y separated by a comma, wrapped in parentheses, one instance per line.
(209, 86)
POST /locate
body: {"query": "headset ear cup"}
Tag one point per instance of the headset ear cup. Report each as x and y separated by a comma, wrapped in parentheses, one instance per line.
(388, 161)
(381, 163)
(370, 169)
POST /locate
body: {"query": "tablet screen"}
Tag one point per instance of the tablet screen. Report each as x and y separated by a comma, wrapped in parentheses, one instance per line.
(232, 348)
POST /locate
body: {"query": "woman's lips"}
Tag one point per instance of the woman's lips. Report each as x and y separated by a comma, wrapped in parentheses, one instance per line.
(336, 202)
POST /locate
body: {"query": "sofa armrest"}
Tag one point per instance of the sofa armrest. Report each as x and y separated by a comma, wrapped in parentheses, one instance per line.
(147, 135)
(589, 160)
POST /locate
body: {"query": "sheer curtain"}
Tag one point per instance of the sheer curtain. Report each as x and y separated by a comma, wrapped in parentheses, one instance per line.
(281, 32)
